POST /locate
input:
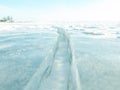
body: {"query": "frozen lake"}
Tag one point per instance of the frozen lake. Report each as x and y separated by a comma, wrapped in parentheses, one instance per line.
(60, 56)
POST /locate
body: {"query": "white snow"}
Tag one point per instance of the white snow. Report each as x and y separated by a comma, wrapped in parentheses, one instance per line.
(59, 56)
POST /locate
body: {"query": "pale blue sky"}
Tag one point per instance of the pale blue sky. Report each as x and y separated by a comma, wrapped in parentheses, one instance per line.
(43, 3)
(61, 10)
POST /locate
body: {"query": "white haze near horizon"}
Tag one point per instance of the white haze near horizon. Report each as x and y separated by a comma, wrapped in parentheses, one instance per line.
(100, 10)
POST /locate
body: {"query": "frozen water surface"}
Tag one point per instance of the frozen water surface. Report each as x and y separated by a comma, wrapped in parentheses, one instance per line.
(59, 57)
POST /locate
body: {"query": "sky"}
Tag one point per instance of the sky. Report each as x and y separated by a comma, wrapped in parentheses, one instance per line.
(61, 10)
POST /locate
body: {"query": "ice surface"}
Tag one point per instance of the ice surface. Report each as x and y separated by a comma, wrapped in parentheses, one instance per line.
(59, 57)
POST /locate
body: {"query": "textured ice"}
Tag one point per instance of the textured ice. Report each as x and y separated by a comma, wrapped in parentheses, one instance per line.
(59, 57)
